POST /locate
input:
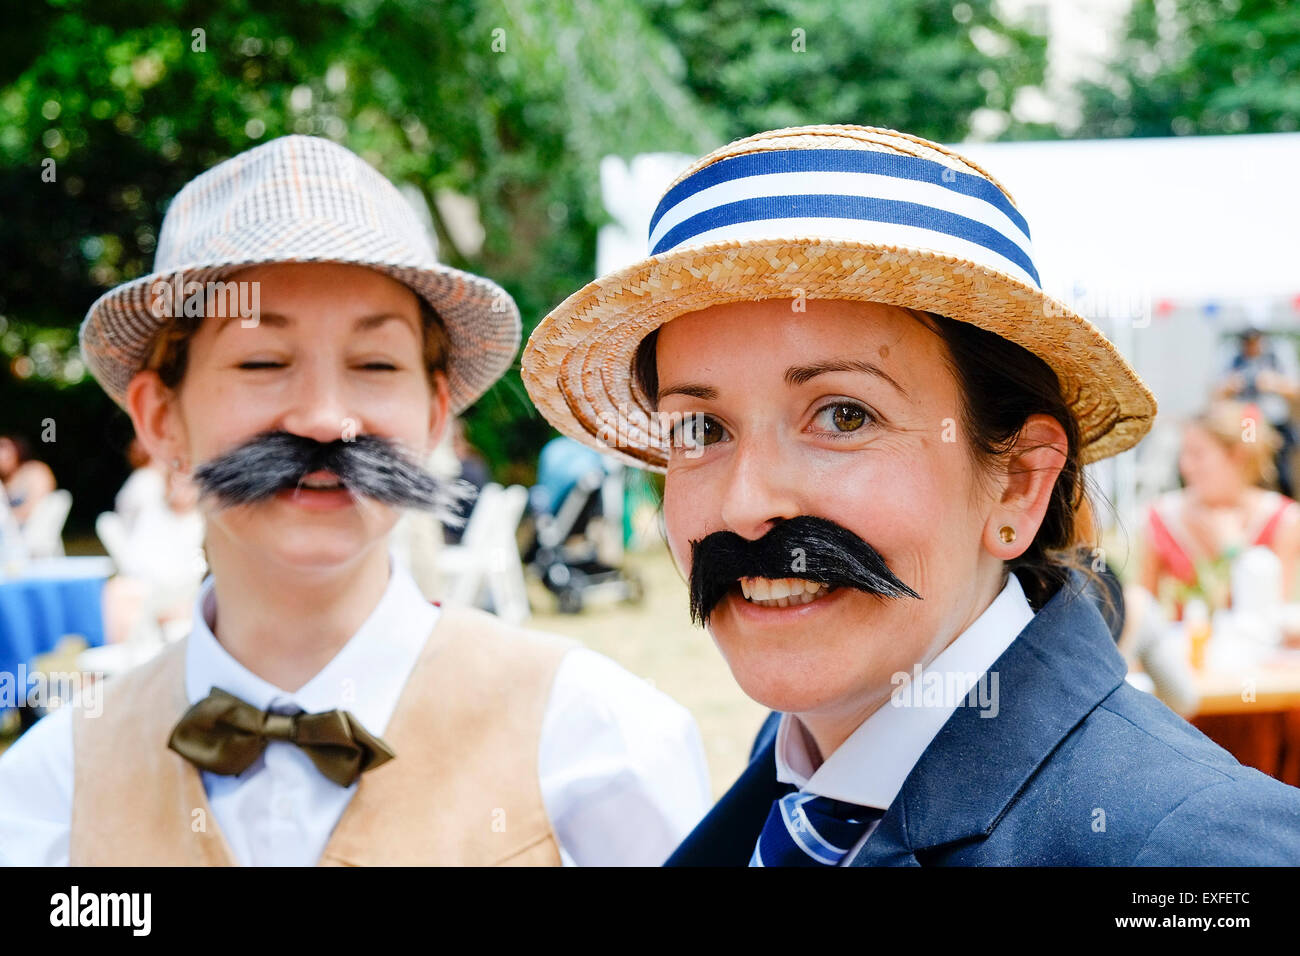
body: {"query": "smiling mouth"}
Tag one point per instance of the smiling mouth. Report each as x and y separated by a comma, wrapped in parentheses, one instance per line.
(321, 481)
(782, 592)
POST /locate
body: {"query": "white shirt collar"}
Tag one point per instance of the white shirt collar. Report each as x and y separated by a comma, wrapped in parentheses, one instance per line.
(365, 677)
(870, 766)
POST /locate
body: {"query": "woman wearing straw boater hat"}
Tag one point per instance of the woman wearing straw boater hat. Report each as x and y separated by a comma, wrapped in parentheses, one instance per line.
(873, 425)
(298, 351)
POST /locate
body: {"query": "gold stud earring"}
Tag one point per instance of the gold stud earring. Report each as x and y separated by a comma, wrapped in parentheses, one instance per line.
(1007, 533)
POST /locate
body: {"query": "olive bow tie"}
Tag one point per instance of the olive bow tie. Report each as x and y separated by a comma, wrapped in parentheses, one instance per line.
(224, 734)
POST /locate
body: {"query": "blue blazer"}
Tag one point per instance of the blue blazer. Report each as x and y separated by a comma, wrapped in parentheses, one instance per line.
(1077, 768)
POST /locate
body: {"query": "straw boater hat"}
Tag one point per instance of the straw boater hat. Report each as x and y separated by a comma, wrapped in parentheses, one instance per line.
(827, 212)
(301, 199)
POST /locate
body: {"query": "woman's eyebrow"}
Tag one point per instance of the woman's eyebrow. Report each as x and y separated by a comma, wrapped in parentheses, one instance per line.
(366, 323)
(802, 374)
(706, 392)
(273, 319)
(363, 324)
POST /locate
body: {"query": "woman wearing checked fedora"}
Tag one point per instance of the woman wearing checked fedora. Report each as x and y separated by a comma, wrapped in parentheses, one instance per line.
(298, 351)
(873, 425)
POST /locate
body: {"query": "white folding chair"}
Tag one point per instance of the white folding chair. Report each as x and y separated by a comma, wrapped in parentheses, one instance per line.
(505, 572)
(43, 532)
(461, 565)
(486, 563)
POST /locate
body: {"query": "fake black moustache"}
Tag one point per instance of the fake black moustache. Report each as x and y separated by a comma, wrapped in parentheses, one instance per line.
(366, 465)
(808, 547)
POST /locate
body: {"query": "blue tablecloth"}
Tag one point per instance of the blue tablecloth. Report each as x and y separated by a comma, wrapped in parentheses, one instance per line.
(36, 612)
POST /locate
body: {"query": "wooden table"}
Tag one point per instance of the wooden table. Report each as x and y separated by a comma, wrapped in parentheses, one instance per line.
(1254, 714)
(1272, 684)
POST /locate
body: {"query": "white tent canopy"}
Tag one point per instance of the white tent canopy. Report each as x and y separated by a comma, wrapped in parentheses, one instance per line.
(1197, 217)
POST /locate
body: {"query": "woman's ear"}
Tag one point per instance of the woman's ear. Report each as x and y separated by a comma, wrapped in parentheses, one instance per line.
(154, 413)
(439, 409)
(1033, 464)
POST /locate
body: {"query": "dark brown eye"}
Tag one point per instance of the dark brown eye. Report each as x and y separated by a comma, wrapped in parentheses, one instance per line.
(711, 431)
(696, 431)
(849, 418)
(841, 417)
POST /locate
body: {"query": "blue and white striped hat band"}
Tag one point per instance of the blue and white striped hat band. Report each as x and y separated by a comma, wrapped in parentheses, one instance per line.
(823, 212)
(851, 194)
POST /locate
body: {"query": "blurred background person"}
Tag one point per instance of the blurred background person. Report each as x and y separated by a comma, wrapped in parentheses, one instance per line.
(156, 540)
(1191, 535)
(26, 479)
(1228, 464)
(1264, 371)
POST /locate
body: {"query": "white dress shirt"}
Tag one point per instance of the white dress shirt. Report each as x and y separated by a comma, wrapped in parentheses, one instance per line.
(870, 766)
(621, 765)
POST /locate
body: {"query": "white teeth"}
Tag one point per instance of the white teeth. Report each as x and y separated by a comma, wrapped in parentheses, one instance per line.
(781, 592)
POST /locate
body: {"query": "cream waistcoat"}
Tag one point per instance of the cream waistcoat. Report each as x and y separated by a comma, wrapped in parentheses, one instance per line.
(462, 791)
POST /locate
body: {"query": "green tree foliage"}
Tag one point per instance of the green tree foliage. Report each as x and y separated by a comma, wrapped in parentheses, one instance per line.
(511, 103)
(1200, 66)
(922, 66)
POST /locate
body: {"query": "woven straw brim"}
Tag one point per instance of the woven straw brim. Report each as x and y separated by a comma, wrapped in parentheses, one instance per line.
(481, 319)
(577, 365)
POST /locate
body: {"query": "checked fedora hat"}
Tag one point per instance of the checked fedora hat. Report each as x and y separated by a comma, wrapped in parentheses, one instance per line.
(300, 199)
(823, 212)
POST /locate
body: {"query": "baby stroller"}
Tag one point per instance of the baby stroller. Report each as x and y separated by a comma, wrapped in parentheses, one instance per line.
(577, 513)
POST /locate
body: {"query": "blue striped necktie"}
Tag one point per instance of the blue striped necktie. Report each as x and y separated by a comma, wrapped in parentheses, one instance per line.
(804, 829)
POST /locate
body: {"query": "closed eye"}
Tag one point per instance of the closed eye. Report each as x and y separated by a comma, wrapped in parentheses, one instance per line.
(368, 366)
